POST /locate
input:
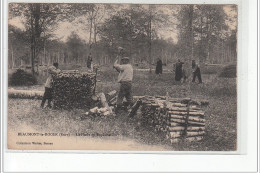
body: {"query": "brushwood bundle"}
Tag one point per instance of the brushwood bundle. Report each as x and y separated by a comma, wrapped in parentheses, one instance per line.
(72, 89)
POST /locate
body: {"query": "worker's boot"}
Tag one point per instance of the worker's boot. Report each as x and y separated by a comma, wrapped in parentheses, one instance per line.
(42, 104)
(49, 104)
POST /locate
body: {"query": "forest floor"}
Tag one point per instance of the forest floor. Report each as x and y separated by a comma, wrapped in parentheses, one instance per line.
(220, 114)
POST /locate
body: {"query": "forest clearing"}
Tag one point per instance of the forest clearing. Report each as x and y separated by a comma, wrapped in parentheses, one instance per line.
(220, 114)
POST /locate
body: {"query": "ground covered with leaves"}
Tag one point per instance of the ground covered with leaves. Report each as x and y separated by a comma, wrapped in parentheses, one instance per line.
(220, 114)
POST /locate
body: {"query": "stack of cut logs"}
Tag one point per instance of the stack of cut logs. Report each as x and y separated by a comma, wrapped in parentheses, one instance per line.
(72, 89)
(177, 120)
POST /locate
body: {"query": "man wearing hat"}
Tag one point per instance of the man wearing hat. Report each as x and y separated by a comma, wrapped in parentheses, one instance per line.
(125, 78)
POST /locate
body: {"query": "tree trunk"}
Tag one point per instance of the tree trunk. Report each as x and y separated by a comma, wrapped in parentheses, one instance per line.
(191, 29)
(90, 30)
(208, 47)
(150, 38)
(32, 40)
(12, 55)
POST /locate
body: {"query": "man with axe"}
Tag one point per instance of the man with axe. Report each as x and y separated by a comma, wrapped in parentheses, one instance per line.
(125, 78)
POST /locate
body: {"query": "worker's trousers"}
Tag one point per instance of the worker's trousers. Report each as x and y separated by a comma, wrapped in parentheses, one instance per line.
(47, 96)
(197, 74)
(125, 91)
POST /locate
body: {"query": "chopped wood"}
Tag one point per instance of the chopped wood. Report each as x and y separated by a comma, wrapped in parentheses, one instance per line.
(184, 113)
(134, 108)
(189, 134)
(181, 128)
(183, 122)
(104, 102)
(196, 119)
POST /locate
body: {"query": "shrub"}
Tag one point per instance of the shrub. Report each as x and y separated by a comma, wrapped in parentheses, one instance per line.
(21, 78)
(211, 69)
(229, 71)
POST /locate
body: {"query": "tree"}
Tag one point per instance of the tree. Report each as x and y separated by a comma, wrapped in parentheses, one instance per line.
(17, 47)
(75, 47)
(133, 28)
(202, 27)
(39, 19)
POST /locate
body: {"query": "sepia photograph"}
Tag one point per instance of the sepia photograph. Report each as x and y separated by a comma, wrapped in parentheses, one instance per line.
(122, 77)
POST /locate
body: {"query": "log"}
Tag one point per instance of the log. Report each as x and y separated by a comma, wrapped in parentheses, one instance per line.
(104, 102)
(183, 109)
(196, 119)
(185, 113)
(184, 101)
(181, 128)
(178, 105)
(174, 124)
(25, 94)
(194, 138)
(111, 95)
(189, 134)
(183, 122)
(112, 99)
(134, 108)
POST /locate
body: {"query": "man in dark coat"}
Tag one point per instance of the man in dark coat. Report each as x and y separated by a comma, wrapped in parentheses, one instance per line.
(89, 62)
(196, 71)
(178, 70)
(158, 66)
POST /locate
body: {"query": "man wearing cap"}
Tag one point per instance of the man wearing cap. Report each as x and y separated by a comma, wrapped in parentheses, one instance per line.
(125, 78)
(52, 70)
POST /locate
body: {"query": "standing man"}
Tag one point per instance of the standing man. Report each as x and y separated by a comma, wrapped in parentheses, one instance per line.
(196, 71)
(125, 78)
(89, 62)
(52, 70)
(178, 70)
(158, 66)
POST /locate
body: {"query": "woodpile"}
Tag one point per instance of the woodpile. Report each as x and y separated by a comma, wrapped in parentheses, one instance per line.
(72, 89)
(178, 121)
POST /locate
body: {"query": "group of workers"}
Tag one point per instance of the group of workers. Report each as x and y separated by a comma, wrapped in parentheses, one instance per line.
(125, 77)
(180, 73)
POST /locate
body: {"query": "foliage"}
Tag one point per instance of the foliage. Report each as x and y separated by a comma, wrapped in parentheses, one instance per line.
(39, 19)
(20, 77)
(76, 47)
(204, 33)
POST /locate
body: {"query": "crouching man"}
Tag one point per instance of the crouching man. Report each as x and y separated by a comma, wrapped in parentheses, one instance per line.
(52, 70)
(125, 78)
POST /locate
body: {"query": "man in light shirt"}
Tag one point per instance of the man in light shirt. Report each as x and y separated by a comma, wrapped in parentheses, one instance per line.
(52, 70)
(125, 78)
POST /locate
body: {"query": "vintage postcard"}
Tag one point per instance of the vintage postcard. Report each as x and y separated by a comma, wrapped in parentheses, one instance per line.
(122, 77)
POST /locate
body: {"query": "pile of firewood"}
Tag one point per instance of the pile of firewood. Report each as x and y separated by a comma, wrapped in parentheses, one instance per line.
(178, 121)
(72, 89)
